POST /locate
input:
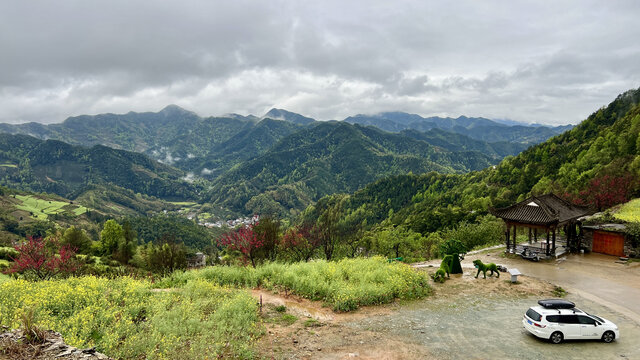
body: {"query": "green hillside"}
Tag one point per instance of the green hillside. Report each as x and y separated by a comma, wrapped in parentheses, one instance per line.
(56, 167)
(598, 159)
(330, 157)
(25, 213)
(457, 142)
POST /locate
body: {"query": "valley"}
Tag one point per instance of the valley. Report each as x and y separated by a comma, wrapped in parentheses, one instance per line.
(313, 217)
(319, 180)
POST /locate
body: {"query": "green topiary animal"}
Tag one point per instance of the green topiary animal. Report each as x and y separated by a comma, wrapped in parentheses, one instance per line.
(485, 267)
(445, 268)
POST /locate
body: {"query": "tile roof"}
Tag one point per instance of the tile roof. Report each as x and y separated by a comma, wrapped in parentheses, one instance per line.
(541, 210)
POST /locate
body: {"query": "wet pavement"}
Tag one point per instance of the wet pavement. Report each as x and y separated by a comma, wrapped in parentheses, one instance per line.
(600, 278)
(485, 328)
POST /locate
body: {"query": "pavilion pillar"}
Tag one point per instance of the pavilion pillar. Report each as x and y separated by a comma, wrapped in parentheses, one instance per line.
(529, 236)
(508, 236)
(578, 237)
(554, 241)
(515, 233)
(570, 232)
(535, 235)
(547, 244)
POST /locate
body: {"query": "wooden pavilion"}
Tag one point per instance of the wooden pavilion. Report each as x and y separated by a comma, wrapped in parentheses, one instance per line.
(548, 213)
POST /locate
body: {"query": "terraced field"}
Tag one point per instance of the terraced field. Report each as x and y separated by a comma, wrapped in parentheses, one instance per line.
(41, 209)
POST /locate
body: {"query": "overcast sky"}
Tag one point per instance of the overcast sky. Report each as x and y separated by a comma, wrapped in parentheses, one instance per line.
(551, 62)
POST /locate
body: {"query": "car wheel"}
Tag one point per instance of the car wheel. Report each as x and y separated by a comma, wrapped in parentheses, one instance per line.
(608, 336)
(556, 337)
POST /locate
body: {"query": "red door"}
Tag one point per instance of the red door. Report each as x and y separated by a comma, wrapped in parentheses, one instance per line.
(608, 243)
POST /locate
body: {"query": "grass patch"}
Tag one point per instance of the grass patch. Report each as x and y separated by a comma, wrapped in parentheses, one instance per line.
(183, 203)
(629, 212)
(280, 308)
(344, 285)
(312, 323)
(287, 319)
(124, 319)
(559, 292)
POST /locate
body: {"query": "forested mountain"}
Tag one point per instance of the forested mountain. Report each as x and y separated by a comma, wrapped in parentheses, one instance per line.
(209, 146)
(279, 163)
(457, 142)
(57, 167)
(596, 160)
(328, 158)
(205, 146)
(253, 140)
(476, 128)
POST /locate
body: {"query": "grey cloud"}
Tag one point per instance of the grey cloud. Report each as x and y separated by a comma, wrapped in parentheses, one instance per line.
(530, 61)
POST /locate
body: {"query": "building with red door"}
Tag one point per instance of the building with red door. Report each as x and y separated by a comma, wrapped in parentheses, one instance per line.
(609, 239)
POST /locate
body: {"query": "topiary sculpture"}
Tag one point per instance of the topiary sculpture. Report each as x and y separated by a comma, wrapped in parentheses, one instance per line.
(445, 268)
(485, 267)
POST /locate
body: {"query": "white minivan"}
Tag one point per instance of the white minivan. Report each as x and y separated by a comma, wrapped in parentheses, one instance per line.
(559, 320)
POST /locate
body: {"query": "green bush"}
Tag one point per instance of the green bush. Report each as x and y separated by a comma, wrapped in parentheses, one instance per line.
(488, 231)
(8, 253)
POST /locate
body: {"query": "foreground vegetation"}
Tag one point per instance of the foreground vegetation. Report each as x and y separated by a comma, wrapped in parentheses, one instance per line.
(125, 319)
(198, 314)
(344, 285)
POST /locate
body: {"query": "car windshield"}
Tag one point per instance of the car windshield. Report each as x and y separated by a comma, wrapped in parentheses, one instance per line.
(596, 317)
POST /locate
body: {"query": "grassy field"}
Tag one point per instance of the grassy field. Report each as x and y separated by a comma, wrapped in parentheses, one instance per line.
(79, 210)
(125, 319)
(344, 285)
(41, 209)
(629, 212)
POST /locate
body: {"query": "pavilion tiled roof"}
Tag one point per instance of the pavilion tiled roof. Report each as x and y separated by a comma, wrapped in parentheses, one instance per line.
(541, 210)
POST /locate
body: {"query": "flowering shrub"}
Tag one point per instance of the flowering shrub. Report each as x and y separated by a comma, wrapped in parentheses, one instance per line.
(42, 259)
(302, 241)
(605, 191)
(244, 240)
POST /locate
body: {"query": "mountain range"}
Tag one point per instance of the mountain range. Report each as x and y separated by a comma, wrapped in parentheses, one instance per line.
(475, 128)
(280, 162)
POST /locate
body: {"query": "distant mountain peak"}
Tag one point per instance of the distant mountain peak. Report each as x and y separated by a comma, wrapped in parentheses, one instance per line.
(280, 114)
(241, 117)
(173, 109)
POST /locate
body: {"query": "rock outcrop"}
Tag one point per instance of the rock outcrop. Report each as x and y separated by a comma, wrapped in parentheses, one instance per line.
(14, 345)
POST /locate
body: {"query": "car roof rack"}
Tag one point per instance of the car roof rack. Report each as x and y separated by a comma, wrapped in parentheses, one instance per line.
(556, 304)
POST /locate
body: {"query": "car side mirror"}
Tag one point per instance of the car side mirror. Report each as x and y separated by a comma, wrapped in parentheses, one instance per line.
(597, 323)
